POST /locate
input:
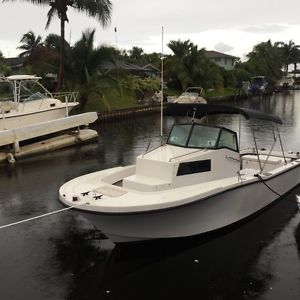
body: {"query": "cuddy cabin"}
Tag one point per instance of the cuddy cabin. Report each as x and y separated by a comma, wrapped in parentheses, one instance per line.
(193, 154)
(196, 153)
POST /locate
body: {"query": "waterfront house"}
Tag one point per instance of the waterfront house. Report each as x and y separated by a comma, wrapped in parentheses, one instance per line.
(222, 60)
(15, 63)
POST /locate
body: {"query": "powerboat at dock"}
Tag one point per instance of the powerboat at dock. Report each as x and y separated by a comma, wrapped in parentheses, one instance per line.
(190, 95)
(34, 112)
(32, 102)
(198, 182)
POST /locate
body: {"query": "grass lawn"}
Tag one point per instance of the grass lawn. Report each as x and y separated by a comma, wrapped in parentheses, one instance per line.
(111, 100)
(229, 91)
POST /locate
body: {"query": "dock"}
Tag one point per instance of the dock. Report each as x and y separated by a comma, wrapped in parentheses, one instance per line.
(10, 139)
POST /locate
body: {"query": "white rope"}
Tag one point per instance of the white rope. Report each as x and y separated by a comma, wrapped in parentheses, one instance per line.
(40, 216)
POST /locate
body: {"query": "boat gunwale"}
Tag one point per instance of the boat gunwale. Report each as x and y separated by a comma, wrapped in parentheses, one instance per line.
(251, 181)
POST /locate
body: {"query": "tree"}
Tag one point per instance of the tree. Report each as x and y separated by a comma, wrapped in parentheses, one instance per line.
(101, 9)
(136, 54)
(180, 48)
(85, 67)
(189, 66)
(29, 43)
(53, 41)
(290, 52)
(4, 69)
(265, 59)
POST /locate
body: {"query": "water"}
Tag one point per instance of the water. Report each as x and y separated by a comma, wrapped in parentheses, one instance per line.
(63, 257)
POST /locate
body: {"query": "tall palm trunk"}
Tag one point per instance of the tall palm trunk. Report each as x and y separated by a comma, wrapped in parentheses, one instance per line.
(61, 55)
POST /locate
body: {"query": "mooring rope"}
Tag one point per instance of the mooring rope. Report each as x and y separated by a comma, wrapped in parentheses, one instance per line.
(263, 181)
(40, 216)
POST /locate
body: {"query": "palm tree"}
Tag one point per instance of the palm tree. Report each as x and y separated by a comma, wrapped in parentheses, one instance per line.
(100, 9)
(85, 64)
(53, 41)
(180, 48)
(136, 54)
(30, 43)
(265, 59)
(290, 53)
(189, 66)
(295, 59)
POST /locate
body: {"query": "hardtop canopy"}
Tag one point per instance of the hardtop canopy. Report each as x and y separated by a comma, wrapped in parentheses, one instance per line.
(200, 110)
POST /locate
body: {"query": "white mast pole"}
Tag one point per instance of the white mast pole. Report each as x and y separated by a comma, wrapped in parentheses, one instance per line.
(162, 81)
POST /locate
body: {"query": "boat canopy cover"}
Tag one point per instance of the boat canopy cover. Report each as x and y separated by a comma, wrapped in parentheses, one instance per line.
(21, 77)
(200, 110)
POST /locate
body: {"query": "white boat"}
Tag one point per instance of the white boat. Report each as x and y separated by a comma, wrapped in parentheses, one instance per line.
(198, 182)
(190, 95)
(36, 106)
(285, 83)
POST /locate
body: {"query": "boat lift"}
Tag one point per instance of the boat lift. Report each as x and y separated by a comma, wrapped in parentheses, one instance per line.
(13, 137)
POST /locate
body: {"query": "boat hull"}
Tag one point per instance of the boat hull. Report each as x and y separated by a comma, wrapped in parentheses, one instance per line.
(198, 217)
(23, 119)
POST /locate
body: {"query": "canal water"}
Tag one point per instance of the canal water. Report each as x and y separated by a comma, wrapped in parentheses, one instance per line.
(63, 257)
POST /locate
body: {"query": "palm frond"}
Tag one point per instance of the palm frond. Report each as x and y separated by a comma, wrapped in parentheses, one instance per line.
(101, 9)
(50, 16)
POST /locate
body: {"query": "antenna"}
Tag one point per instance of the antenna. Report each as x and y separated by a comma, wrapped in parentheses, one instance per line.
(116, 37)
(70, 37)
(162, 81)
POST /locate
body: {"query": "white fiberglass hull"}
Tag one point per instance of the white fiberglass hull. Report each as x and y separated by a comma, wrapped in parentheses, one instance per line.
(17, 120)
(203, 214)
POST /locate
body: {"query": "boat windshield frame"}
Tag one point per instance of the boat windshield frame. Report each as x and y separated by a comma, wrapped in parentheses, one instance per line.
(212, 142)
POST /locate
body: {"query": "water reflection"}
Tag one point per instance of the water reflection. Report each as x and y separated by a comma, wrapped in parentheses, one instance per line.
(226, 265)
(61, 258)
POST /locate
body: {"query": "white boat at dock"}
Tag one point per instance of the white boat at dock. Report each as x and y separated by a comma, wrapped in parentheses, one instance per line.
(39, 115)
(32, 102)
(198, 182)
(190, 95)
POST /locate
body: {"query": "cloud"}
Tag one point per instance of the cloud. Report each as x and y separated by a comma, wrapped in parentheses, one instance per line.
(223, 47)
(266, 28)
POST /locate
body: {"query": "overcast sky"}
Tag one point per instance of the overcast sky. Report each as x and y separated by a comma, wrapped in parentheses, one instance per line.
(230, 26)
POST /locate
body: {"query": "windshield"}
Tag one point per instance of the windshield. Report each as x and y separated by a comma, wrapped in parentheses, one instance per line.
(36, 96)
(204, 137)
(200, 136)
(179, 135)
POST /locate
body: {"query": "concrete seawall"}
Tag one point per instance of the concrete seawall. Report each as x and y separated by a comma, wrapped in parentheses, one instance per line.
(128, 112)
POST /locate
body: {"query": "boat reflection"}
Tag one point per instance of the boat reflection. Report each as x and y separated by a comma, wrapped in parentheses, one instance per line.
(223, 265)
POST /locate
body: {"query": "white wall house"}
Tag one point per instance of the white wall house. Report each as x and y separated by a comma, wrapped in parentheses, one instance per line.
(222, 60)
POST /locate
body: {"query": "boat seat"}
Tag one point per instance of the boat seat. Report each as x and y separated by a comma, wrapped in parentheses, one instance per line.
(274, 160)
(145, 183)
(7, 106)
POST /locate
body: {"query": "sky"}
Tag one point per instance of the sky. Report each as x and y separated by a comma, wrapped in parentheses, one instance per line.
(229, 26)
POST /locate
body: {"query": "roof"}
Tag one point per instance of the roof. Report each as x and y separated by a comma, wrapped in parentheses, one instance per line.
(216, 54)
(128, 66)
(15, 62)
(200, 110)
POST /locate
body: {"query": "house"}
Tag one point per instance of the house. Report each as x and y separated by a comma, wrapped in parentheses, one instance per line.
(222, 60)
(145, 71)
(15, 63)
